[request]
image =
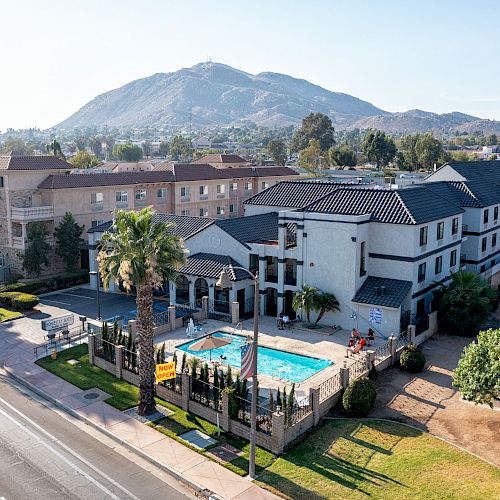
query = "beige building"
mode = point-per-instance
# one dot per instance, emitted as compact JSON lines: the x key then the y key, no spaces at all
{"x":33,"y":189}
{"x":223,"y":160}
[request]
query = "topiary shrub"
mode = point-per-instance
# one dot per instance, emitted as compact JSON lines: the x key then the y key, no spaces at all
{"x":412,"y":359}
{"x":25,"y":301}
{"x":359,"y":397}
{"x":7,"y":297}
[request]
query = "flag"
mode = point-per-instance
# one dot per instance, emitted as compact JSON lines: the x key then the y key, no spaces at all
{"x":247,"y":360}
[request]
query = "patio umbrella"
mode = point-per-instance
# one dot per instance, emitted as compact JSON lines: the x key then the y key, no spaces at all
{"x":208,"y":343}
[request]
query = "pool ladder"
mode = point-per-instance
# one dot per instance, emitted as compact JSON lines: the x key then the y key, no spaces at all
{"x":238,"y":325}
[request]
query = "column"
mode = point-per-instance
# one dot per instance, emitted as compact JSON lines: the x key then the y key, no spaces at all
{"x":224,"y":423}
{"x":118,"y":360}
{"x":411,"y":334}
{"x":392,"y":347}
{"x":314,"y":400}
{"x":300,"y":253}
{"x":262,"y":285}
{"x":204,"y":305}
{"x":171,"y":317}
{"x":185,"y":391}
{"x":278,"y":433}
{"x":235,"y":312}
{"x":91,"y":341}
{"x":171,"y":284}
{"x":192,"y":296}
{"x":344,"y":375}
{"x":281,"y":285}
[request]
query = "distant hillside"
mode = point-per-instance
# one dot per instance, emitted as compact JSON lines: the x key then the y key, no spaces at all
{"x":213,"y":94}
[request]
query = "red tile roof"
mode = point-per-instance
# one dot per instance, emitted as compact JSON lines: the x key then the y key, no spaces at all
{"x":13,"y":161}
{"x":221,"y":158}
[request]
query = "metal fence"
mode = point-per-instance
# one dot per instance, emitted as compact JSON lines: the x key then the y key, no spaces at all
{"x":402,"y":340}
{"x":421,"y":323}
{"x":130,"y":361}
{"x":242,"y":413}
{"x":246,"y":312}
{"x":174,"y":385}
{"x":220,"y":310}
{"x":330,"y":387}
{"x":105,"y":350}
{"x":299,"y":410}
{"x":382,"y":352}
{"x":357,"y":369}
{"x":161,"y":318}
{"x":206,"y":394}
{"x":62,"y":339}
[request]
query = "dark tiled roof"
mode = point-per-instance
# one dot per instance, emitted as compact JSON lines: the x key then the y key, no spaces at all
{"x":69,"y":181}
{"x":210,"y":265}
{"x":293,"y":194}
{"x":455,"y":191}
{"x":184,"y":226}
{"x":221,"y":158}
{"x":371,"y":292}
{"x":415,"y":205}
{"x":252,"y":229}
{"x":32,"y":162}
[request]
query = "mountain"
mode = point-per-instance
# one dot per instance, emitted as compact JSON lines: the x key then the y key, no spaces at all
{"x":214,"y":94}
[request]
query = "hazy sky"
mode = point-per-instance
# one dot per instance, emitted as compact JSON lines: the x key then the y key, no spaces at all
{"x":439,"y":55}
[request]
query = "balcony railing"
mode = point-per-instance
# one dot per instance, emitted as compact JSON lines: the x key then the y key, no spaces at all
{"x":20,"y":243}
{"x":290,"y":279}
{"x":203,"y":197}
{"x":122,"y":204}
{"x":32,"y":213}
{"x":97,"y":207}
{"x":272,"y":276}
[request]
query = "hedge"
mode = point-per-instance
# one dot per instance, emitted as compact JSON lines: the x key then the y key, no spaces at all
{"x":359,"y":397}
{"x":412,"y":359}
{"x":49,"y":284}
{"x":25,"y":301}
{"x":7,"y":297}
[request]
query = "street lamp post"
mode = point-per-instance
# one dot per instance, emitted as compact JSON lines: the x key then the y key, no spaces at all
{"x":224,"y":282}
{"x":98,"y":298}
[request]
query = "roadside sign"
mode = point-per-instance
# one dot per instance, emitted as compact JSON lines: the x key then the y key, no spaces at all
{"x":165,"y":371}
{"x":56,"y":323}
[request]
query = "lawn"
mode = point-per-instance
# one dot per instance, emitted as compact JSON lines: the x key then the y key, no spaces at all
{"x":378,"y":459}
{"x":125,"y":396}
{"x":6,"y":314}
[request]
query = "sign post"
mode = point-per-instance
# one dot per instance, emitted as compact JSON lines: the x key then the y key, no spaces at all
{"x":57,"y":323}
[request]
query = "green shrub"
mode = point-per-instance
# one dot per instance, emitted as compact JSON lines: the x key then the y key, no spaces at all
{"x":64,"y":280}
{"x":25,"y":301}
{"x":359,"y":397}
{"x":373,"y":374}
{"x":7,"y":297}
{"x":412,"y":359}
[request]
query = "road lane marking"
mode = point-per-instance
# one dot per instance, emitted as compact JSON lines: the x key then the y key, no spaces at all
{"x":75,"y":295}
{"x":56,"y":302}
{"x":68,"y":450}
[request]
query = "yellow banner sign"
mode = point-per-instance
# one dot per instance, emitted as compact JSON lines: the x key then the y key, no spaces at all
{"x":165,"y":371}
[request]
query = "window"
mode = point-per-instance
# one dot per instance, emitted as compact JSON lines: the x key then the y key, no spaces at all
{"x":221,"y":188}
{"x":220,"y":210}
{"x":2,"y":259}
{"x":1,"y":184}
{"x":483,"y":268}
{"x":97,"y":223}
{"x":440,"y":230}
{"x":484,"y":244}
{"x":203,"y":189}
{"x":161,"y":193}
{"x":233,"y":186}
{"x":453,"y":258}
{"x":362,"y":260}
{"x":494,"y":240}
{"x":203,"y":212}
{"x":140,"y":194}
{"x":185,"y":191}
{"x":439,"y":265}
{"x":421,"y":272}
{"x":96,"y":198}
{"x":265,"y":185}
{"x":486,"y":214}
{"x":248,"y":186}
{"x":185,"y":212}
{"x":232,"y":208}
{"x":423,"y":235}
{"x":454,"y":226}
{"x":122,"y":196}
{"x":495,"y":212}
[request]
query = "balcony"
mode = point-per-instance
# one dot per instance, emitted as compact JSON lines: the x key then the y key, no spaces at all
{"x":220,"y":196}
{"x":291,"y":279}
{"x":122,"y":204}
{"x":30,"y":214}
{"x":272,"y":276}
{"x":203,"y":197}
{"x":97,"y":207}
{"x":20,"y":243}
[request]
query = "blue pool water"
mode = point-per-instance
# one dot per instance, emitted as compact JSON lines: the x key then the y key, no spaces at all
{"x":273,"y":362}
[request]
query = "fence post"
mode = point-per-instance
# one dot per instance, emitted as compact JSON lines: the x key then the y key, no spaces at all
{"x":186,"y":389}
{"x":278,"y":433}
{"x":225,"y":412}
{"x":314,"y":400}
{"x":118,"y":360}
{"x":235,"y":312}
{"x":91,"y":338}
{"x":204,"y":306}
{"x":171,"y":317}
{"x":344,"y":375}
{"x":411,"y":333}
{"x":392,"y":348}
{"x":370,"y":359}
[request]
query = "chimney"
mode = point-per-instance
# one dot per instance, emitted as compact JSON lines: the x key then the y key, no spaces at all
{"x":382,"y":290}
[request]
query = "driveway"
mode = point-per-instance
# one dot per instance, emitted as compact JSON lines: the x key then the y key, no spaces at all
{"x":428,"y":401}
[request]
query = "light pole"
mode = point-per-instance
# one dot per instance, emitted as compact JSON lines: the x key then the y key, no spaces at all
{"x":224,"y":282}
{"x":96,"y":274}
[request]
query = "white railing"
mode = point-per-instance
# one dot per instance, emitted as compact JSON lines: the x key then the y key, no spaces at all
{"x":32,"y":213}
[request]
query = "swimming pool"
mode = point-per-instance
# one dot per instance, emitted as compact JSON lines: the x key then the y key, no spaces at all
{"x":273,"y":362}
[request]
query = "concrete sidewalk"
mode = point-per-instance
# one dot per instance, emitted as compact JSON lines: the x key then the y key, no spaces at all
{"x":17,"y":340}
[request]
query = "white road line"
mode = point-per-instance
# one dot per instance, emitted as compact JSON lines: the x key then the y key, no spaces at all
{"x":56,"y":302}
{"x":67,"y":449}
{"x":75,"y":295}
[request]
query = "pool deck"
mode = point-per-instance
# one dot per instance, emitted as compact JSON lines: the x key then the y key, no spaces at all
{"x":298,"y":340}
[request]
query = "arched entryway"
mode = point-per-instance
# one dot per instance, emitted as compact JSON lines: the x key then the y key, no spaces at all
{"x":182,"y":290}
{"x":200,"y":289}
{"x":271,"y":302}
{"x":287,"y":304}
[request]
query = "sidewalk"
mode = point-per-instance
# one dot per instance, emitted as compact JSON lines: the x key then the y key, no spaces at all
{"x":17,"y":340}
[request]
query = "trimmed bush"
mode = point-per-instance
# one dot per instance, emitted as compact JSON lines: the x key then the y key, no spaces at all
{"x":7,"y":297}
{"x":359,"y":397}
{"x":25,"y":301}
{"x":59,"y":282}
{"x":412,"y":359}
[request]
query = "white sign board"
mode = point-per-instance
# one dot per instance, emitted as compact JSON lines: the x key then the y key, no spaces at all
{"x":375,"y":315}
{"x":57,"y":323}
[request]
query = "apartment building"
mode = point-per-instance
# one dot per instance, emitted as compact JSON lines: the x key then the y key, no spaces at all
{"x":223,"y":160}
{"x":35,"y":190}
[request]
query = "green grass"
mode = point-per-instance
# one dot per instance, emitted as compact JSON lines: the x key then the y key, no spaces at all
{"x":125,"y":396}
{"x":6,"y":314}
{"x":379,"y":460}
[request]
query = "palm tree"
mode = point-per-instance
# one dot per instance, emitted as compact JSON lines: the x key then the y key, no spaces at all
{"x":327,"y":302}
{"x":306,"y":300}
{"x":138,"y":252}
{"x":54,"y":148}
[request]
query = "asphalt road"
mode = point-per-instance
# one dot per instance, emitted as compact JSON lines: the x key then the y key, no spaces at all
{"x":45,"y":453}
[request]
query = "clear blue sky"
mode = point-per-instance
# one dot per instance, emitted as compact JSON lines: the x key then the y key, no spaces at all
{"x":439,"y":55}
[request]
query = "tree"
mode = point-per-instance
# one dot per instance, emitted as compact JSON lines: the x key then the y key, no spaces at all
{"x":147,"y":148}
{"x":314,"y":126}
{"x":127,"y":152}
{"x":306,"y":300}
{"x":140,"y":253}
{"x":181,"y":148}
{"x":429,"y":151}
{"x":95,"y":144}
{"x":312,"y":158}
{"x":69,"y":241}
{"x":109,"y":141}
{"x":83,"y":159}
{"x":464,"y":304}
{"x":407,"y":147}
{"x":18,"y":146}
{"x":491,"y":140}
{"x":378,"y":147}
{"x":277,"y":150}
{"x":462,"y":156}
{"x":342,"y":155}
{"x":477,"y":373}
{"x":81,"y":142}
{"x":326,"y":302}
{"x":54,"y":149}
{"x":37,"y":250}
{"x":163,"y":148}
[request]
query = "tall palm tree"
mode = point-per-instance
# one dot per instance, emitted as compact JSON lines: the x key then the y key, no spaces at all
{"x":326,"y":302}
{"x":138,"y":252}
{"x":306,"y":300}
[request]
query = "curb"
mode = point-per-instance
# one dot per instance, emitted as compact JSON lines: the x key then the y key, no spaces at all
{"x":199,"y":490}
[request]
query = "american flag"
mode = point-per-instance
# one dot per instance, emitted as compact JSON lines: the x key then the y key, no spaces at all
{"x":247,"y":360}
